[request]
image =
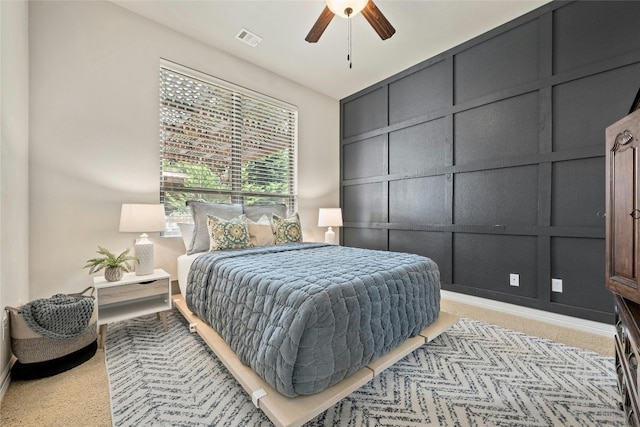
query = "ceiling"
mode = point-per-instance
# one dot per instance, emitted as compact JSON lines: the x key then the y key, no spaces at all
{"x":423,"y":30}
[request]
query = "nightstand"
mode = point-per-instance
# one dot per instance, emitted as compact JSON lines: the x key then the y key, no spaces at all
{"x":132,"y":296}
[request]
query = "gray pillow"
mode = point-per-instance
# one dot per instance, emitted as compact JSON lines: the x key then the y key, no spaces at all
{"x":254,"y":212}
{"x":200,"y":210}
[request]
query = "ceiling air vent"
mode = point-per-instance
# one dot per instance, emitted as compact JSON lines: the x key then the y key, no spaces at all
{"x":248,"y":37}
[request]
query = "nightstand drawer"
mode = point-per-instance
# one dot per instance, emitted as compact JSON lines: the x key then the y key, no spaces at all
{"x":133,"y":291}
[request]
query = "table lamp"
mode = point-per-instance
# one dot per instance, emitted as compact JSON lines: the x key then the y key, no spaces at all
{"x":330,"y":217}
{"x":142,"y":218}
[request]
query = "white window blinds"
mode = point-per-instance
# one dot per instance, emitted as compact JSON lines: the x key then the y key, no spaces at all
{"x":223,"y":144}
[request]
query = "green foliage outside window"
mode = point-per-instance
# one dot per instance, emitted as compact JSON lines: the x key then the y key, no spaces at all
{"x":267,"y":175}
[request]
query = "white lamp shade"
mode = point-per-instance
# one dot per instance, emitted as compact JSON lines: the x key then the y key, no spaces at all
{"x":142,"y":218}
{"x":330,"y":217}
{"x":338,"y":6}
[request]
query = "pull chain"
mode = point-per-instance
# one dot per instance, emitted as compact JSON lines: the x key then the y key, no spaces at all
{"x":348,"y":11}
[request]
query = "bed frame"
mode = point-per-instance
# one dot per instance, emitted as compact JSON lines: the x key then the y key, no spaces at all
{"x":289,"y":412}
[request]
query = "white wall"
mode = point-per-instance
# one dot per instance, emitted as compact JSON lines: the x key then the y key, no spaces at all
{"x":14,"y":179}
{"x":94,"y":133}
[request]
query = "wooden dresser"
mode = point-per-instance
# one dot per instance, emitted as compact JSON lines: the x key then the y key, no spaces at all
{"x":623,"y":207}
{"x":623,"y":253}
{"x":627,"y":356}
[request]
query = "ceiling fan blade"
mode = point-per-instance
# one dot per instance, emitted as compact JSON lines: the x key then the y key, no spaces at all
{"x":377,"y":20}
{"x":321,"y":24}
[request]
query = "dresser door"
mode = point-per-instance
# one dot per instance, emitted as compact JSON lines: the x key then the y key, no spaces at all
{"x":623,"y":208}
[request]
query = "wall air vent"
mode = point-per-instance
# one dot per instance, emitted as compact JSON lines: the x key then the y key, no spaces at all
{"x":248,"y":37}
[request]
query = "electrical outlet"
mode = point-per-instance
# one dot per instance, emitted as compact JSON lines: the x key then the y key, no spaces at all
{"x":514,"y":279}
{"x":556,"y":285}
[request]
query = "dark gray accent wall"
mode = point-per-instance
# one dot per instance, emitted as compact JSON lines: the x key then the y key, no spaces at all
{"x":489,"y":158}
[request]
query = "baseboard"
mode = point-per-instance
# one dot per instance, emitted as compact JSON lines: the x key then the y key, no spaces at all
{"x":597,"y":328}
{"x":6,"y":377}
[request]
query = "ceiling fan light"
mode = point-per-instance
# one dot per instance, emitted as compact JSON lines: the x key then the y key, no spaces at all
{"x":338,"y":6}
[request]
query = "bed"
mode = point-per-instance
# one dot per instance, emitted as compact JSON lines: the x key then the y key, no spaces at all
{"x":301,"y":325}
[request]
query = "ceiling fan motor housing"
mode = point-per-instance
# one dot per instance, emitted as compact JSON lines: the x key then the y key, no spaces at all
{"x":346,"y":8}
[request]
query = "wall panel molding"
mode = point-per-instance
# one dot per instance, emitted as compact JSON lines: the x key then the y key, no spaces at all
{"x":489,"y":157}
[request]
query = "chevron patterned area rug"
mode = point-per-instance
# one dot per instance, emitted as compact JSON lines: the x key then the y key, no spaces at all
{"x":474,"y":374}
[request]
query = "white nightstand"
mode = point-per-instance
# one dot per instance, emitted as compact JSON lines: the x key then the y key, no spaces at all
{"x":132,"y":296}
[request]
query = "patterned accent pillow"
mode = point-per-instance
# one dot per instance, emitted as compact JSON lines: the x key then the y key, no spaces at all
{"x":286,"y":230}
{"x":231,"y":234}
{"x":200,"y":210}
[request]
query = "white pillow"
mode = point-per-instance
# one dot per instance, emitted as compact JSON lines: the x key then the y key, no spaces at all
{"x":260,"y":232}
{"x":187,"y":233}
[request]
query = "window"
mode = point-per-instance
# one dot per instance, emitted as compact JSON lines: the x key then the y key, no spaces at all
{"x":222,"y":143}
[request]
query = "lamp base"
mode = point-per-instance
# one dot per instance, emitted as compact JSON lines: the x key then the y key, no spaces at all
{"x":330,"y":237}
{"x":144,"y":253}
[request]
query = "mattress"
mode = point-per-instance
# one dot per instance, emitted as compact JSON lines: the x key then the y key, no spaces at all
{"x":184,"y":265}
{"x":305,"y":316}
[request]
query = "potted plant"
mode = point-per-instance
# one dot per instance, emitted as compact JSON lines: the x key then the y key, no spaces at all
{"x":114,"y":266}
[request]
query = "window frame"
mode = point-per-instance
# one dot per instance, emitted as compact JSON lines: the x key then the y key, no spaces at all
{"x":234,"y":193}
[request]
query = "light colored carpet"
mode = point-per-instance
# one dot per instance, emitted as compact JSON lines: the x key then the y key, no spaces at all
{"x":80,"y":397}
{"x":572,"y":337}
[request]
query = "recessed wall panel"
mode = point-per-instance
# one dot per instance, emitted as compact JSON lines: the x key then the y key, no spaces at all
{"x":418,"y":200}
{"x":365,"y":113}
{"x":591,"y":31}
{"x":485,"y":261}
{"x":364,"y":203}
{"x":506,"y":196}
{"x":368,"y":238}
{"x":579,"y":115}
{"x":577,"y":194}
{"x":434,"y":245}
{"x":419,"y":148}
{"x":501,"y":129}
{"x":425,"y":91}
{"x":580,"y":265}
{"x":365,"y":158}
{"x":502,"y":62}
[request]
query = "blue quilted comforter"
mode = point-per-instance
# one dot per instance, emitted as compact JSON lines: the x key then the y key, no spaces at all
{"x":304,"y":316}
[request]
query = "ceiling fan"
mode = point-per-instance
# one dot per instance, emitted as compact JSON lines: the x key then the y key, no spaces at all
{"x":347,"y":9}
